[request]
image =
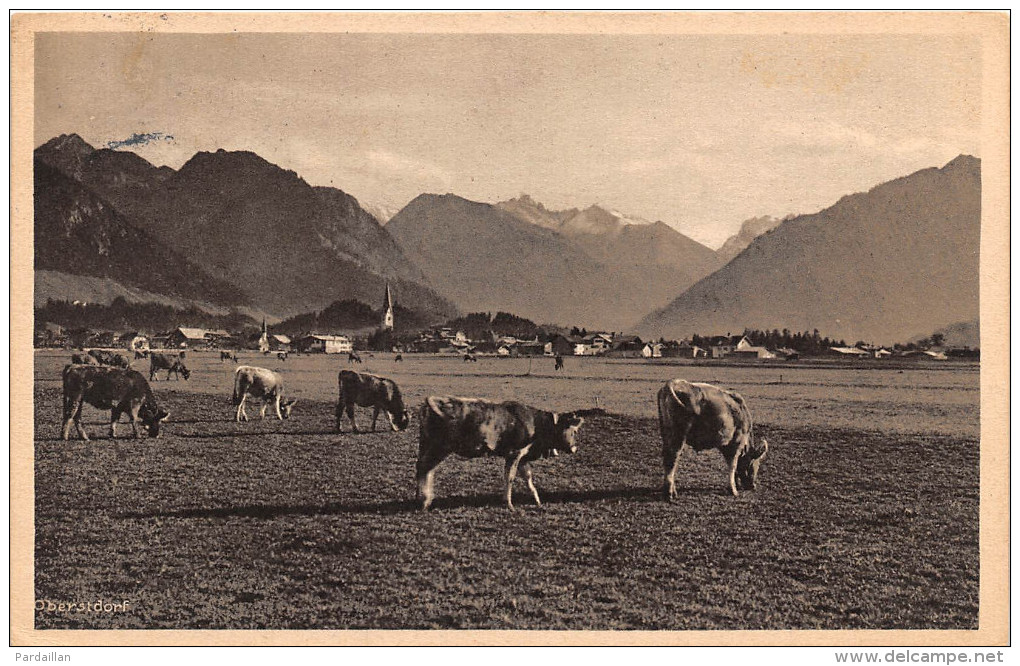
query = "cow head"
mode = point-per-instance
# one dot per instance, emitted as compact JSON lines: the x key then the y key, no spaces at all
{"x":152,"y":420}
{"x":566,"y":429}
{"x":400,"y":420}
{"x":747,"y":465}
{"x":286,"y":407}
{"x":183,"y":371}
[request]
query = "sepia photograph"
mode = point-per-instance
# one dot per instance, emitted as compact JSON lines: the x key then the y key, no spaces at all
{"x":590,"y":328}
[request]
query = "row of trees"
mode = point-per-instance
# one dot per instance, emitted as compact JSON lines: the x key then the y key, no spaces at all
{"x":809,"y":343}
{"x":121,"y":315}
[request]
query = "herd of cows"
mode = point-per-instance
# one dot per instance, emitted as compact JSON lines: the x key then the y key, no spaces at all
{"x":695,"y":415}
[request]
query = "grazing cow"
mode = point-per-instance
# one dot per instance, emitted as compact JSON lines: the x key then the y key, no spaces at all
{"x":141,"y":354}
{"x":364,"y":390}
{"x":559,"y":362}
{"x":84,"y":359}
{"x":228,"y":356}
{"x":170,"y":362}
{"x":352,"y":357}
{"x":703,"y":417}
{"x":260,"y":384}
{"x":117,"y":389}
{"x":470,"y":358}
{"x":110,"y":358}
{"x":281,"y":355}
{"x":473,"y":428}
{"x":398,"y":358}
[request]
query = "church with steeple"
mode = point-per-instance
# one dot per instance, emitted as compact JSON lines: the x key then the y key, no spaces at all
{"x":387,"y":321}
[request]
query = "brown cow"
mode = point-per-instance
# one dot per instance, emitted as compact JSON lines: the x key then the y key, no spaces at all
{"x":170,"y":362}
{"x":365,"y":390}
{"x":704,"y":417}
{"x":473,"y":428}
{"x":119,"y":390}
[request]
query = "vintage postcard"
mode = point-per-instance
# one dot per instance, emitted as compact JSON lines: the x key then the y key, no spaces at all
{"x":528,"y":328}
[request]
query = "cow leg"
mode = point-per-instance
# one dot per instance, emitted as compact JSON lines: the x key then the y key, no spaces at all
{"x":152,"y":375}
{"x":670,"y":463}
{"x":278,"y":414}
{"x":114,"y":417}
{"x":375,"y":417}
{"x":732,"y":459}
{"x":511,"y":474}
{"x":426,"y":470}
{"x":350,"y":415}
{"x":133,"y":415}
{"x":526,"y":471}
{"x":262,"y":412}
{"x":240,"y":409}
{"x":72,"y":410}
{"x":77,"y":422}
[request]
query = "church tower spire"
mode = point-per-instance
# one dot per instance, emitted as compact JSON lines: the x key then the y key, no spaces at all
{"x":387,"y":322}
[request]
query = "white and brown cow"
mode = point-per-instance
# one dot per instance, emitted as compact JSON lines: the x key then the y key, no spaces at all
{"x":473,"y":428}
{"x":260,"y":384}
{"x":120,"y":390}
{"x":704,"y":417}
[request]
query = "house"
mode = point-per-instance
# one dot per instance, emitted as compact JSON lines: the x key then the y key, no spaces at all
{"x":851,"y":352}
{"x":626,"y":346}
{"x":325,"y":344}
{"x":503,"y":350}
{"x":683,"y":349}
{"x":187,"y":338}
{"x":652,"y":350}
{"x":133,"y":341}
{"x":601,"y":342}
{"x":534,"y":348}
{"x":750,"y":352}
{"x":723,"y":345}
{"x":788,"y":354}
{"x":278,"y":342}
{"x":560,"y":345}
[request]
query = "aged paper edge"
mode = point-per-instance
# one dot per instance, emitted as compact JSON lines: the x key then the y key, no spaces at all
{"x":992,"y":28}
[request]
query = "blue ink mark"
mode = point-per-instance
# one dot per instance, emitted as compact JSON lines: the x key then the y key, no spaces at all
{"x":141,"y":139}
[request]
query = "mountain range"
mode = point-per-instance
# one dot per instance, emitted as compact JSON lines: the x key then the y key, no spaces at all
{"x":230,"y":230}
{"x":879,"y":266}
{"x":589,"y":268}
{"x":261,"y":234}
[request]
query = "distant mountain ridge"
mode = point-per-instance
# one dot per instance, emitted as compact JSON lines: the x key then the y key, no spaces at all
{"x":877,"y":266}
{"x":521,"y":257}
{"x":749,"y":230}
{"x":286,"y":247}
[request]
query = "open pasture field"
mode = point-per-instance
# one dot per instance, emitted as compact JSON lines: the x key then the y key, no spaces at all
{"x":866,"y":514}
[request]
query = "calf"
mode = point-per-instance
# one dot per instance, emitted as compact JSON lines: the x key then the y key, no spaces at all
{"x":170,"y":362}
{"x":228,"y":356}
{"x":365,"y":390}
{"x":117,"y":389}
{"x":398,"y":358}
{"x":352,"y":357}
{"x":261,"y":384}
{"x":473,"y":428}
{"x":703,"y":417}
{"x":281,"y":355}
{"x":470,"y":358}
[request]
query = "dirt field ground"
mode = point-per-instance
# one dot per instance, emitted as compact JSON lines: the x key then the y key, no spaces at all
{"x":866,"y":514}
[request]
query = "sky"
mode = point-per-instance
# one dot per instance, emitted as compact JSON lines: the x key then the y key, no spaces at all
{"x":700,"y":132}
